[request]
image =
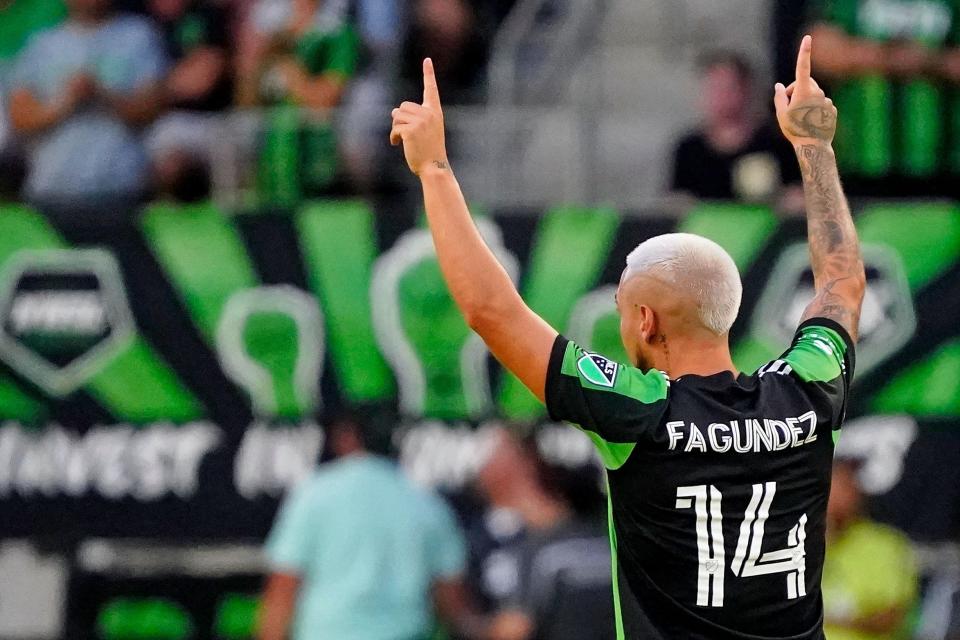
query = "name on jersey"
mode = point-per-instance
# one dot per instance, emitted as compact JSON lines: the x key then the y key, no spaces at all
{"x":751,"y":435}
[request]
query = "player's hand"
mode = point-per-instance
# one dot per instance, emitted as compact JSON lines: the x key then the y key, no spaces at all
{"x":420,"y":127}
{"x":806,"y":114}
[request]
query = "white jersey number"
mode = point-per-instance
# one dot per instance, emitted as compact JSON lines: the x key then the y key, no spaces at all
{"x":749,"y":560}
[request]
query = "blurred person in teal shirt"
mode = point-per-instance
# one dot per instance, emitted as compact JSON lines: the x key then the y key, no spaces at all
{"x":359,"y":553}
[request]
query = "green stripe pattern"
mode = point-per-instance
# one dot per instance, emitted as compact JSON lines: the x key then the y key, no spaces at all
{"x":818,"y":354}
{"x":614,"y":568}
{"x":337,"y":239}
{"x":571,"y":249}
{"x":203,"y":255}
{"x":925,"y":235}
{"x":930,"y":387}
{"x":144,"y":619}
{"x":742,"y":230}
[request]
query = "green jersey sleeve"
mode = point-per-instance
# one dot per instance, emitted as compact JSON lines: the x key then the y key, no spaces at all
{"x":616,"y":405}
{"x":822,"y":358}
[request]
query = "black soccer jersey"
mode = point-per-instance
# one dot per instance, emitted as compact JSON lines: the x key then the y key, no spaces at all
{"x":718,"y":486}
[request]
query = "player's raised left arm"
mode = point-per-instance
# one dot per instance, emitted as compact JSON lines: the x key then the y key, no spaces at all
{"x":809,"y":121}
{"x":483,"y":291}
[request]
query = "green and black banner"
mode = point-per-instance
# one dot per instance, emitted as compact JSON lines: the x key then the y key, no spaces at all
{"x":169,"y":376}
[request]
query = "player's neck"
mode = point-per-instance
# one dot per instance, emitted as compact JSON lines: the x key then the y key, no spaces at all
{"x":693,"y":357}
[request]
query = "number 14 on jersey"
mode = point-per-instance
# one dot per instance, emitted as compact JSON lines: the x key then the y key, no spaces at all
{"x":748,"y":561}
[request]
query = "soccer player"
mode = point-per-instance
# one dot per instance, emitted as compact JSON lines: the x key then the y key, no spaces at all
{"x":718,"y":481}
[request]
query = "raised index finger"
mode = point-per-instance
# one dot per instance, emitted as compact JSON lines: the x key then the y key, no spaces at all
{"x":431,"y":94}
{"x":803,"y":59}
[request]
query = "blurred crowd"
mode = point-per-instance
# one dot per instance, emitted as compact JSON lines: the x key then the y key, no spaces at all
{"x":892,"y":68}
{"x":357,"y":551}
{"x":106,"y":102}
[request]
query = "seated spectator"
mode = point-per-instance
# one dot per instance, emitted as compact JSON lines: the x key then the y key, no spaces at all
{"x":382,"y":26}
{"x":80,"y":95}
{"x":300,"y":51}
{"x":359,"y":552}
{"x":452,"y":34}
{"x":554,"y":582}
{"x":735,"y":154}
{"x":869,"y":576}
{"x":297,"y":55}
{"x":181,"y":142}
{"x":893,"y":67}
{"x":19,"y":20}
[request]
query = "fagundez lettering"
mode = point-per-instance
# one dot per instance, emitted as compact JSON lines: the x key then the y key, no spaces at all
{"x":751,"y":435}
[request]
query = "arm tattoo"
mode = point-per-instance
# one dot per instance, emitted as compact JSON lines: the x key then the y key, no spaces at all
{"x":834,"y":248}
{"x":441,"y":164}
{"x":815,"y":121}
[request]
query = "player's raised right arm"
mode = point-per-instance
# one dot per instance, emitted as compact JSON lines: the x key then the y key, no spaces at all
{"x":809,"y":121}
{"x":517,"y":337}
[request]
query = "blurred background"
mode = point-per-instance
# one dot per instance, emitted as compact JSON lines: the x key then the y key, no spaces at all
{"x":214,"y":275}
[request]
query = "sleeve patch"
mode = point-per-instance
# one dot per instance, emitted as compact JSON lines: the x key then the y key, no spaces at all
{"x":598,"y":370}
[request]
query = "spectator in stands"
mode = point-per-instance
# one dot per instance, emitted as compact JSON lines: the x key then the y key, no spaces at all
{"x":357,"y":552}
{"x":81,"y":94}
{"x":870,"y":577}
{"x":382,"y":28}
{"x":735,"y":154}
{"x":197,"y":87}
{"x":453,"y":34}
{"x":553,"y":583}
{"x":303,"y":51}
{"x":894,"y":67}
{"x":19,"y":20}
{"x":297,"y":55}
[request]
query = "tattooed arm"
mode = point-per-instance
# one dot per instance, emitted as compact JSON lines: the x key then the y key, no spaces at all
{"x":834,"y":250}
{"x":809,"y":120}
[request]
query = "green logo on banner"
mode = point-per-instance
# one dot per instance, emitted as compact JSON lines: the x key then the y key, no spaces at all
{"x":440,"y":365}
{"x":65,"y":316}
{"x":270,"y":342}
{"x":887,"y":321}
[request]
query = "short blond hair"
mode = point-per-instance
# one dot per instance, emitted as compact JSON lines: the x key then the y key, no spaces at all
{"x":697,"y":267}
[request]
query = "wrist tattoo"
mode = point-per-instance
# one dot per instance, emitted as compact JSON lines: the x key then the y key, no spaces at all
{"x":441,"y":164}
{"x":813,"y":122}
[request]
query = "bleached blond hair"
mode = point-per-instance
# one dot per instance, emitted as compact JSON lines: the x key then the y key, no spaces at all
{"x":696,"y":267}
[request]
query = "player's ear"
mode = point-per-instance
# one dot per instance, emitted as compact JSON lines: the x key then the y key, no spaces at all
{"x":649,"y":326}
